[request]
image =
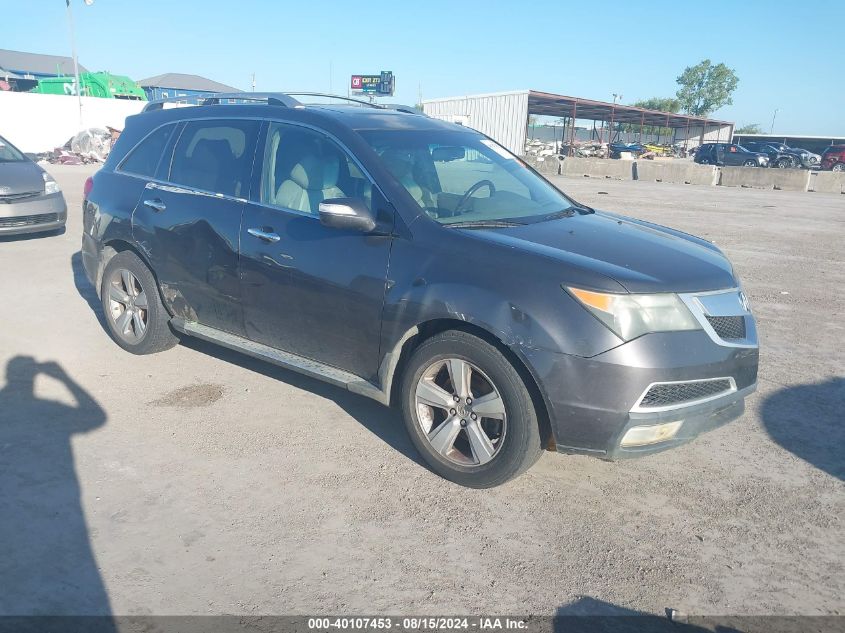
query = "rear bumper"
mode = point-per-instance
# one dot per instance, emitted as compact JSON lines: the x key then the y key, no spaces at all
{"x":33,"y":215}
{"x":593,"y":402}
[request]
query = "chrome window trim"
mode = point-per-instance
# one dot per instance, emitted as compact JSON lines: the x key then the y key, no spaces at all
{"x":682,"y":405}
{"x":698,"y":310}
{"x":176,"y":188}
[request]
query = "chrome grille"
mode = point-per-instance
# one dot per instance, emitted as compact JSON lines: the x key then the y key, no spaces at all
{"x":728,"y":327}
{"x":28,"y":220}
{"x":674,"y":393}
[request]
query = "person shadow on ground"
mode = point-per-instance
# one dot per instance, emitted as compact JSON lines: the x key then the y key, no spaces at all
{"x":47,"y":566}
{"x":807,"y":421}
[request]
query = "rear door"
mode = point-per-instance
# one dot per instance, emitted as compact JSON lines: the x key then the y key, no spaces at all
{"x":308,"y":289}
{"x":188,"y":220}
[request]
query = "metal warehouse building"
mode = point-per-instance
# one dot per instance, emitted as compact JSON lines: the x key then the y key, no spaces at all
{"x":503,"y":116}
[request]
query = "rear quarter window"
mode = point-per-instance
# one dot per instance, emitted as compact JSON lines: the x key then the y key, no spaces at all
{"x":143,"y":159}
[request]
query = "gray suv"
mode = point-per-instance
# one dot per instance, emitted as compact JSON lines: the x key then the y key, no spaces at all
{"x":421,"y":264}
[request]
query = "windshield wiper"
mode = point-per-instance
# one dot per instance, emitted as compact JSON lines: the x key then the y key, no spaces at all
{"x":483,"y":224}
{"x":567,"y":213}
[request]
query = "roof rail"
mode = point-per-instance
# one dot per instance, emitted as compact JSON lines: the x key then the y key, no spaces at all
{"x":270,"y":98}
{"x":327,"y":95}
{"x":284,"y":99}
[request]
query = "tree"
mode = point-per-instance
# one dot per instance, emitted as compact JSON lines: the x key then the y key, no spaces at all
{"x":663,"y":104}
{"x":751,"y":128}
{"x":706,"y":88}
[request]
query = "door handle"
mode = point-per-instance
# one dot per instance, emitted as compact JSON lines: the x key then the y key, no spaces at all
{"x":264,"y":235}
{"x":156,"y":205}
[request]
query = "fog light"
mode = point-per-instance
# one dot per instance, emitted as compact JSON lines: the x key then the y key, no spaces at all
{"x":642,"y":435}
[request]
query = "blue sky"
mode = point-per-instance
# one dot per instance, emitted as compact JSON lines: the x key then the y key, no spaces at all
{"x":787,"y":54}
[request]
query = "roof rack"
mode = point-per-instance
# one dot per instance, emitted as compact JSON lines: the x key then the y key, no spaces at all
{"x":284,"y":99}
{"x":270,"y":98}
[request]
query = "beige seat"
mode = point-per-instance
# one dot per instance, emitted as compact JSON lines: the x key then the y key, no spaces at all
{"x":311,"y":180}
{"x":401,"y":165}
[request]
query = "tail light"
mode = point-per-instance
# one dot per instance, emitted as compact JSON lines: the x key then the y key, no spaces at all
{"x":89,"y":185}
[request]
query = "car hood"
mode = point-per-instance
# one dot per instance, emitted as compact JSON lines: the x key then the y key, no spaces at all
{"x":20,"y":177}
{"x":641,"y":256}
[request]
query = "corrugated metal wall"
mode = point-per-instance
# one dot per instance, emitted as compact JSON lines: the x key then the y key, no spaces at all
{"x":714,"y":134}
{"x":502,"y":117}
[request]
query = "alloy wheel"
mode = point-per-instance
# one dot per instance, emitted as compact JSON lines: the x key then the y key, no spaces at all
{"x":838,"y":167}
{"x":128,"y":307}
{"x":460,"y":412}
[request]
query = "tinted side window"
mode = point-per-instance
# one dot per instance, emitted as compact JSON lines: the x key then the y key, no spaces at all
{"x":143,"y":159}
{"x":302,"y":168}
{"x":215,"y":156}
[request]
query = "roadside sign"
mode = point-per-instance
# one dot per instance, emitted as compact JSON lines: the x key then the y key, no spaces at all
{"x":383,"y":84}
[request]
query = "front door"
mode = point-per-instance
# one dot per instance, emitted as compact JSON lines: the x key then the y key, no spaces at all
{"x":307,"y":289}
{"x":188,"y":221}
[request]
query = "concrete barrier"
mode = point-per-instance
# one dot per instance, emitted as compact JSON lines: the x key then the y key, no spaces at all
{"x":598,"y":168}
{"x":549,"y":166}
{"x":765,"y":178}
{"x":685,"y":172}
{"x":828,"y":182}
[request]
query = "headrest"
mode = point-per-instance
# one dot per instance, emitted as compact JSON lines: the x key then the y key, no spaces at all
{"x":313,"y":172}
{"x":208,"y":150}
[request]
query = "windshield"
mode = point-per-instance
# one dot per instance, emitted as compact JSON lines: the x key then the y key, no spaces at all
{"x":9,"y":153}
{"x":460,"y":177}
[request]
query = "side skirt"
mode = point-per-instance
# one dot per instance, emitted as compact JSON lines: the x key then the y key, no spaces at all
{"x":299,"y":364}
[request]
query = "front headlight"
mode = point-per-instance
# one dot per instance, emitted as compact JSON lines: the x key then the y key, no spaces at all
{"x":50,"y":185}
{"x":632,"y":315}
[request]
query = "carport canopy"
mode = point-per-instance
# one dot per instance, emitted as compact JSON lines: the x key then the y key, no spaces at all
{"x":547,"y":104}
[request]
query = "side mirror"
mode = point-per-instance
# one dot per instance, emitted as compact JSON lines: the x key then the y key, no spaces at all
{"x":347,"y":213}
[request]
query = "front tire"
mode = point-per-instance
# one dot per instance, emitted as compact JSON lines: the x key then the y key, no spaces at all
{"x":838,"y":167}
{"x":784,"y":163}
{"x":135,"y":316}
{"x":750,"y":163}
{"x":468,"y":411}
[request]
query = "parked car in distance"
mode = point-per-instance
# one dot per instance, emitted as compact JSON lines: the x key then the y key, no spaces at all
{"x":800,"y":157}
{"x":833,"y":158}
{"x":30,"y":200}
{"x":421,"y":264}
{"x":729,"y":154}
{"x":777,"y":158}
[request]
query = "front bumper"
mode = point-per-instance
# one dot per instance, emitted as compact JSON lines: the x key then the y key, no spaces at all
{"x":593,"y":402}
{"x":33,"y":215}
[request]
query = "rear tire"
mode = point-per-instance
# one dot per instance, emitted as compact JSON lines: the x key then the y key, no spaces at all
{"x":135,"y":316}
{"x":784,"y":163}
{"x":479,"y":431}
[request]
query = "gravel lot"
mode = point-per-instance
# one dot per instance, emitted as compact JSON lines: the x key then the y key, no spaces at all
{"x":199,"y":481}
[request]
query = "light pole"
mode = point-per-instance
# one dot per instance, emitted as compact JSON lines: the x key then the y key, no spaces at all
{"x":774,"y":116}
{"x":75,"y":59}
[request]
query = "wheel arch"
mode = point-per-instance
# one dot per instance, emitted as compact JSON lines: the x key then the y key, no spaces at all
{"x":417,"y":335}
{"x":118,"y":245}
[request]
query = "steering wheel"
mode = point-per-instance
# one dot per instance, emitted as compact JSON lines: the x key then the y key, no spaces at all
{"x":465,"y":198}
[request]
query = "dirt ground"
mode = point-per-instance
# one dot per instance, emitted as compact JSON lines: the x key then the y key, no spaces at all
{"x":199,"y":481}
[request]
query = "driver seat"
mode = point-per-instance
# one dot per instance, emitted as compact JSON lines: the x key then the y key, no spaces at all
{"x":400,"y":165}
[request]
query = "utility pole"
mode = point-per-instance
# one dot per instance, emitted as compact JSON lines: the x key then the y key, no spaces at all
{"x":253,"y":82}
{"x":75,"y":60}
{"x":774,"y":116}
